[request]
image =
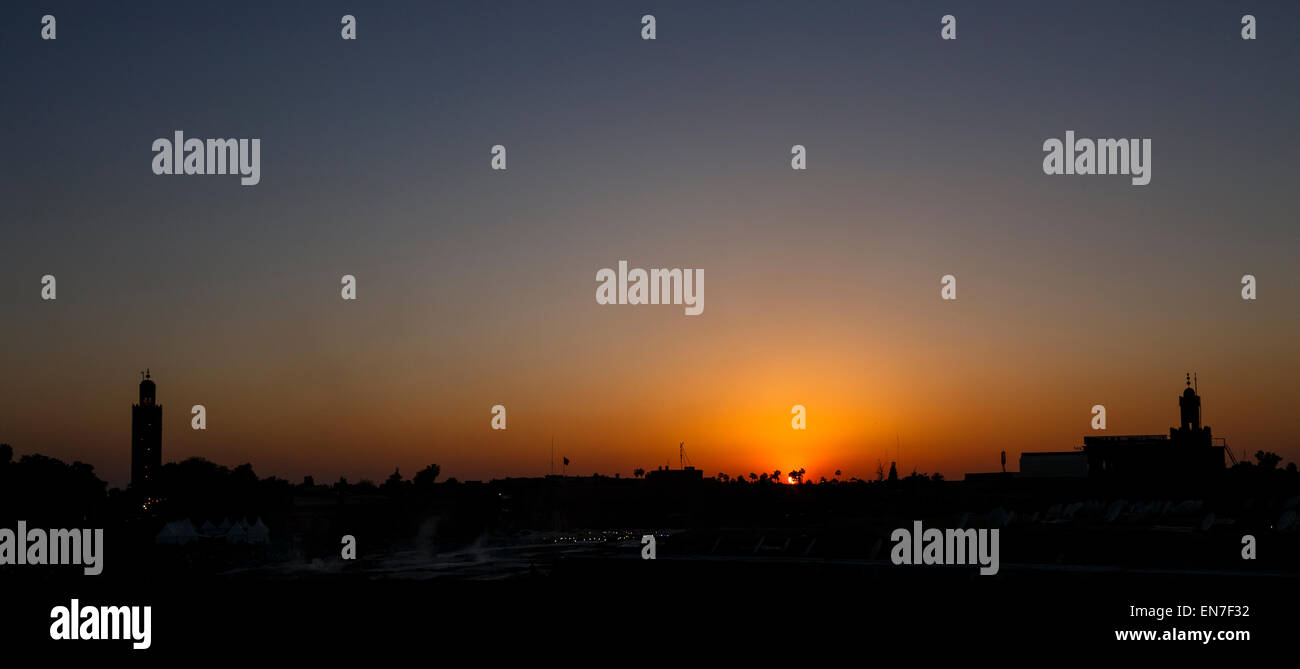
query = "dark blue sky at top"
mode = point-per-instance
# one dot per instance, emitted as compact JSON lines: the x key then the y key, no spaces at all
{"x":428,"y":82}
{"x":403,"y":117}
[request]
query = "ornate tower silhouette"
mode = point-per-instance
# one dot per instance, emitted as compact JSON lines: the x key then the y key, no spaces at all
{"x":146,"y":435}
{"x":1190,"y":432}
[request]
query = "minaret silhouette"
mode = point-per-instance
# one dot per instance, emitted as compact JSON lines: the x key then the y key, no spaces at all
{"x":146,"y":435}
{"x":1190,"y":431}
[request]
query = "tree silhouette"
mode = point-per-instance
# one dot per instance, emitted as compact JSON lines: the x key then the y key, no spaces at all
{"x":37,"y":488}
{"x":1268,"y":460}
{"x":244,"y":475}
{"x":638,"y":472}
{"x":425,"y":477}
{"x":394,"y":482}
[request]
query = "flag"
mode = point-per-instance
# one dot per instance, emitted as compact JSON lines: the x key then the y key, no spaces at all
{"x":566,"y":462}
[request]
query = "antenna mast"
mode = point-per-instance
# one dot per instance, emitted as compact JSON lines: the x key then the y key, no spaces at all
{"x":1196,"y":387}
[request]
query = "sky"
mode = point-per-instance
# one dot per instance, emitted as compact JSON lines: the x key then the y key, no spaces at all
{"x":476,"y":287}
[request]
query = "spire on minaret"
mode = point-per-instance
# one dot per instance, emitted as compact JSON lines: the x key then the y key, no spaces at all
{"x":148,"y":390}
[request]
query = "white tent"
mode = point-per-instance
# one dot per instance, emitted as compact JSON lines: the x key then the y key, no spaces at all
{"x":238,"y":533}
{"x":209,"y":529}
{"x":258,"y":533}
{"x":177,"y":532}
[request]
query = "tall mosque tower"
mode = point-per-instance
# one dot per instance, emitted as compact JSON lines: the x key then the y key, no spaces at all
{"x":146,"y":435}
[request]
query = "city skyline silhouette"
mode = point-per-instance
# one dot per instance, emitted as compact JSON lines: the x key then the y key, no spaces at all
{"x":1189,"y":448}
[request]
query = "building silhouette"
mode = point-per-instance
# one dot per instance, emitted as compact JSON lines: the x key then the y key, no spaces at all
{"x":1187,"y":453}
{"x":146,"y":435}
{"x":685,"y":475}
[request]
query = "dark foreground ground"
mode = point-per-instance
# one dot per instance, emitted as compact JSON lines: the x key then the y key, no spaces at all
{"x":726,"y":610}
{"x":745,"y":572}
